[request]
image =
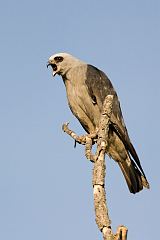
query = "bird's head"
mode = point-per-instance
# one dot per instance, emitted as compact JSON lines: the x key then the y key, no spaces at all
{"x":61,"y":63}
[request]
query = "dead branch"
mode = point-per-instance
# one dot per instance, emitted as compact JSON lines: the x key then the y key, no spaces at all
{"x":101,"y":210}
{"x":100,"y":137}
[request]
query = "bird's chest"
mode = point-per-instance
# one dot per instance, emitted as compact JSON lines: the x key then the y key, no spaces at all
{"x":76,"y":96}
{"x":82,"y":106}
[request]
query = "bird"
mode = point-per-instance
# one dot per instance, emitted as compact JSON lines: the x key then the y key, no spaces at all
{"x":86,"y":89}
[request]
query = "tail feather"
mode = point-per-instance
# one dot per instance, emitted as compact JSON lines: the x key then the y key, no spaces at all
{"x":134,"y":178}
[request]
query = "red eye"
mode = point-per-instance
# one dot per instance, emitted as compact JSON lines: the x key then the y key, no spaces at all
{"x":58,"y":59}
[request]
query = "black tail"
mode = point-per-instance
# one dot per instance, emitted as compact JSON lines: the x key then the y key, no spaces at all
{"x":134,"y":178}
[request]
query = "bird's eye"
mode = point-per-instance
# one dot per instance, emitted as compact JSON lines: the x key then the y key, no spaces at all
{"x":58,"y":59}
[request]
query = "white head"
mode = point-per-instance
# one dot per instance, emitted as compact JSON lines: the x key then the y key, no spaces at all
{"x":61,"y":63}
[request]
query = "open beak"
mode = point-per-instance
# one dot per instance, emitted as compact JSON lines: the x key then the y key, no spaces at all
{"x":54,"y":68}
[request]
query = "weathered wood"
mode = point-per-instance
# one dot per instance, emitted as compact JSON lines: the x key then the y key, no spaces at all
{"x":101,"y":211}
{"x":99,"y":170}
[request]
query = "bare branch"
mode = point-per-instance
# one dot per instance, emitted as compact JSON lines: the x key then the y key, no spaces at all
{"x":99,"y":170}
{"x":88,"y":140}
{"x":101,"y":210}
{"x":79,"y":139}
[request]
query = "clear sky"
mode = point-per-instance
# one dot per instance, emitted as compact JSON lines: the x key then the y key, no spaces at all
{"x":45,"y":184}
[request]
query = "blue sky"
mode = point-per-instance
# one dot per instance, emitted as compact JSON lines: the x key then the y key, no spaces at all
{"x":45,"y":184}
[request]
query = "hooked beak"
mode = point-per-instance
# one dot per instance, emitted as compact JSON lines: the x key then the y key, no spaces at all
{"x":48,"y":64}
{"x":54,"y":68}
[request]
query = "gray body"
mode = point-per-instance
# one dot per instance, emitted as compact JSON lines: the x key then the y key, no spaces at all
{"x":86,"y":88}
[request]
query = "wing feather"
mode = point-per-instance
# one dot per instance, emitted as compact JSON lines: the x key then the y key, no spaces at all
{"x":99,"y":86}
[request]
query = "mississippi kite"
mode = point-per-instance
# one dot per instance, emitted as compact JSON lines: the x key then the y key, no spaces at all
{"x":86,"y":89}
